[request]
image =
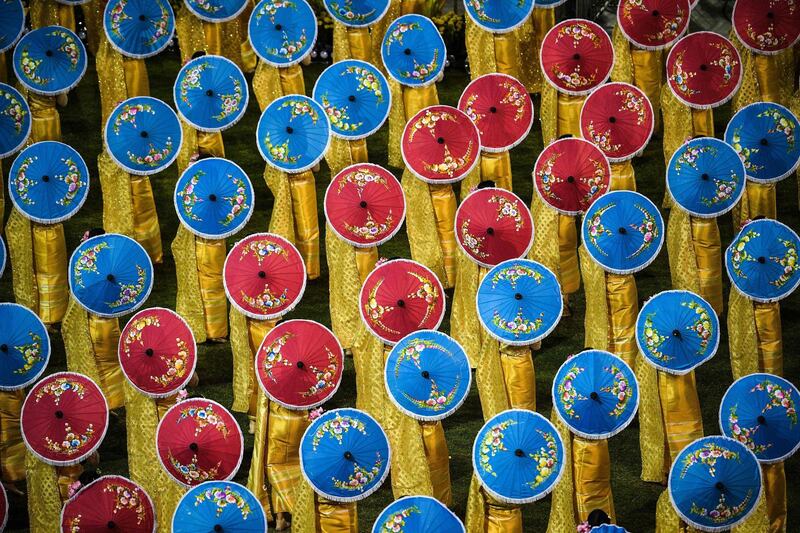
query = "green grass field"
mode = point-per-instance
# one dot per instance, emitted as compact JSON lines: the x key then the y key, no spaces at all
{"x":635,"y":500}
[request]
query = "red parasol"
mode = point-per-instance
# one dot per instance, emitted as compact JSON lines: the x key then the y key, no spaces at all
{"x":501,"y":108}
{"x":299,"y":364}
{"x":653,"y":24}
{"x":264,"y":276}
{"x":199,"y":440}
{"x":618,"y":118}
{"x":704,"y":70}
{"x":767,"y":26}
{"x":576,"y":56}
{"x":570,"y":174}
{"x":440,"y":144}
{"x":157,"y":352}
{"x":493,"y":225}
{"x":365,"y":205}
{"x":399,"y":297}
{"x":64,"y":418}
{"x":109,"y":503}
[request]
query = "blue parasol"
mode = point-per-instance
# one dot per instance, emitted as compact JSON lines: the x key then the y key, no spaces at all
{"x":519,"y":302}
{"x":293,"y":133}
{"x":110,"y":275}
{"x":518,"y":456}
{"x":623,"y":232}
{"x":282,"y":33}
{"x":595,"y":393}
{"x":216,"y":506}
{"x":706,"y":177}
{"x":427,"y":375}
{"x":24,"y":347}
{"x":15,"y":120}
{"x":2,"y":256}
{"x":356,"y":98}
{"x":413,"y":51}
{"x":143,"y":135}
{"x":677,"y":331}
{"x":715,"y":483}
{"x":357,"y":13}
{"x":344,"y":455}
{"x":12,"y":23}
{"x":216,"y":10}
{"x":49,"y":60}
{"x":760,"y":411}
{"x":499,"y":16}
{"x":139,"y":28}
{"x":417,"y":514}
{"x":211,"y":93}
{"x":214,"y":198}
{"x":762,"y":261}
{"x":607,"y":528}
{"x":765,"y":136}
{"x":548,"y":4}
{"x":48,"y":182}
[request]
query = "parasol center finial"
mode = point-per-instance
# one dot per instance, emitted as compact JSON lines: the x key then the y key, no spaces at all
{"x":45,"y":178}
{"x":49,"y":53}
{"x":59,"y":414}
{"x":676,"y":333}
{"x":209,"y":93}
{"x":576,"y":57}
{"x":401,"y":303}
{"x":490,"y":231}
{"x":149,"y":352}
{"x":426,"y":374}
{"x":519,"y":453}
{"x":570,"y":179}
{"x":762,"y":259}
{"x":301,"y":365}
{"x":348,"y":456}
{"x":703,"y":67}
{"x":764,"y":142}
{"x":142,"y":18}
{"x":407,"y":51}
{"x":518,"y":296}
{"x":144,"y":135}
{"x":212,"y":197}
{"x":193,"y":446}
{"x":278,"y":27}
{"x":111,"y":278}
{"x":440,"y":140}
{"x":111,"y":524}
{"x":3,"y":347}
{"x":761,"y":420}
{"x":770,"y":15}
{"x":656,"y":13}
{"x":720,"y":486}
{"x":705,"y":177}
{"x":351,"y":98}
{"x":262,"y":274}
{"x":594,"y":396}
{"x":612,"y":119}
{"x":363,"y":204}
{"x":493,"y":109}
{"x":217,"y":528}
{"x":289,"y":129}
{"x":622,"y":231}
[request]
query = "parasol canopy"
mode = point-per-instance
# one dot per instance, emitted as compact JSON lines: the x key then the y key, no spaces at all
{"x":417,"y":514}
{"x":299,"y":364}
{"x":24,"y":347}
{"x":50,"y":60}
{"x":715,"y":483}
{"x":357,"y":13}
{"x":15,"y":120}
{"x":214,"y":198}
{"x":501,"y":108}
{"x":356,"y":97}
{"x":216,"y":506}
{"x":570,"y":174}
{"x":427,"y":375}
{"x":595,"y":393}
{"x":48,"y":182}
{"x":608,"y":528}
{"x":293,"y":133}
{"x":413,"y":51}
{"x":764,"y":135}
{"x":400,"y":297}
{"x":211,"y":93}
{"x":440,"y":144}
{"x":548,"y":4}
{"x":109,"y":502}
{"x":760,"y":411}
{"x":282,"y":33}
{"x":677,"y":331}
{"x":766,"y":27}
{"x":345,"y":455}
{"x":519,"y":302}
{"x":157,"y":352}
{"x":518,"y":456}
{"x":365,"y":205}
{"x":704,"y":70}
{"x":762,"y":261}
{"x":139,"y":28}
{"x":706,"y":177}
{"x":2,"y":256}
{"x":3,"y":507}
{"x":618,"y":118}
{"x":493,"y":225}
{"x":12,"y":25}
{"x":653,"y":24}
{"x":110,"y":275}
{"x":199,"y":440}
{"x":143,"y":135}
{"x":216,"y":10}
{"x":264,"y":276}
{"x":623,"y":232}
{"x":64,"y":418}
{"x":499,"y":16}
{"x":576,"y":56}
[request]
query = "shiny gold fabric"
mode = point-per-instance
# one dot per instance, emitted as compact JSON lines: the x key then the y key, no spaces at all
{"x":44,"y":498}
{"x":562,"y":508}
{"x":759,"y":200}
{"x":305,"y":516}
{"x":530,"y":36}
{"x":285,"y":429}
{"x":438,"y":456}
{"x":480,"y":45}
{"x":519,"y":376}
{"x":189,"y":148}
{"x":569,"y":114}
{"x":282,"y":217}
{"x":365,"y":261}
{"x":489,"y":379}
{"x":45,"y":120}
{"x":145,"y":219}
{"x":257,"y":475}
{"x":546,"y":245}
{"x":680,"y":407}
{"x":378,"y":31}
{"x":249,"y":57}
{"x":548,"y":113}
{"x":651,"y":424}
{"x":426,"y":246}
{"x":764,"y":77}
{"x":44,"y":13}
{"x":742,"y":335}
{"x":19,"y":240}
{"x":678,"y":123}
{"x":591,"y":468}
{"x":681,"y":252}
{"x":246,"y":335}
{"x":708,"y":251}
{"x":209,"y":143}
{"x":622,"y":70}
{"x":117,"y":197}
{"x":344,"y":287}
{"x":50,"y":267}
{"x":104,"y":333}
{"x":569,"y":273}
{"x":266,"y":84}
{"x":415,"y":99}
{"x":111,"y":77}
{"x":703,"y":122}
{"x":136,"y":79}
{"x":189,"y":30}
{"x":770,"y":339}
{"x":506,"y":53}
{"x":78,"y":342}
{"x":93,"y":21}
{"x":444,"y":209}
{"x":306,"y":225}
{"x":496,"y":167}
{"x":335,"y":517}
{"x":623,"y":308}
{"x":397,"y":122}
{"x":623,"y":177}
{"x":188,"y":300}
{"x":465,"y":327}
{"x":224,"y":39}
{"x":647,"y":73}
{"x":774,"y":477}
{"x":485,"y":514}
{"x":12,"y":447}
{"x":597,"y":323}
{"x":210,"y":259}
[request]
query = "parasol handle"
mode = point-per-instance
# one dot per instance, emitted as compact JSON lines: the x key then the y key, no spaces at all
{"x":426,"y":374}
{"x":111,"y":524}
{"x":4,"y":348}
{"x":217,"y":528}
{"x":720,"y":486}
{"x":676,"y":333}
{"x":490,"y":231}
{"x":149,"y":352}
{"x":348,"y":456}
{"x":111,"y":278}
{"x":519,"y":453}
{"x":594,"y":396}
{"x":518,"y":296}
{"x":761,"y":420}
{"x":401,"y":303}
{"x":59,"y":414}
{"x":193,"y":446}
{"x":363,"y":204}
{"x":300,"y":365}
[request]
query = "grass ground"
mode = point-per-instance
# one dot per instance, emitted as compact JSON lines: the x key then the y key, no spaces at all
{"x":635,"y":500}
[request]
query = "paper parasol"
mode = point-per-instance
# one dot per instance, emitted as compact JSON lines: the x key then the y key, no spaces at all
{"x":653,"y":24}
{"x":24,"y":347}
{"x":50,"y":60}
{"x":216,"y":506}
{"x":109,"y":502}
{"x":2,"y":256}
{"x":576,"y":56}
{"x":211,"y":93}
{"x":139,"y":28}
{"x":766,"y":27}
{"x":15,"y":120}
{"x":3,"y":508}
{"x":417,"y":514}
{"x":216,"y":10}
{"x":12,"y":24}
{"x":357,"y":13}
{"x":499,"y":16}
{"x":413,"y":51}
{"x":282,"y":33}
